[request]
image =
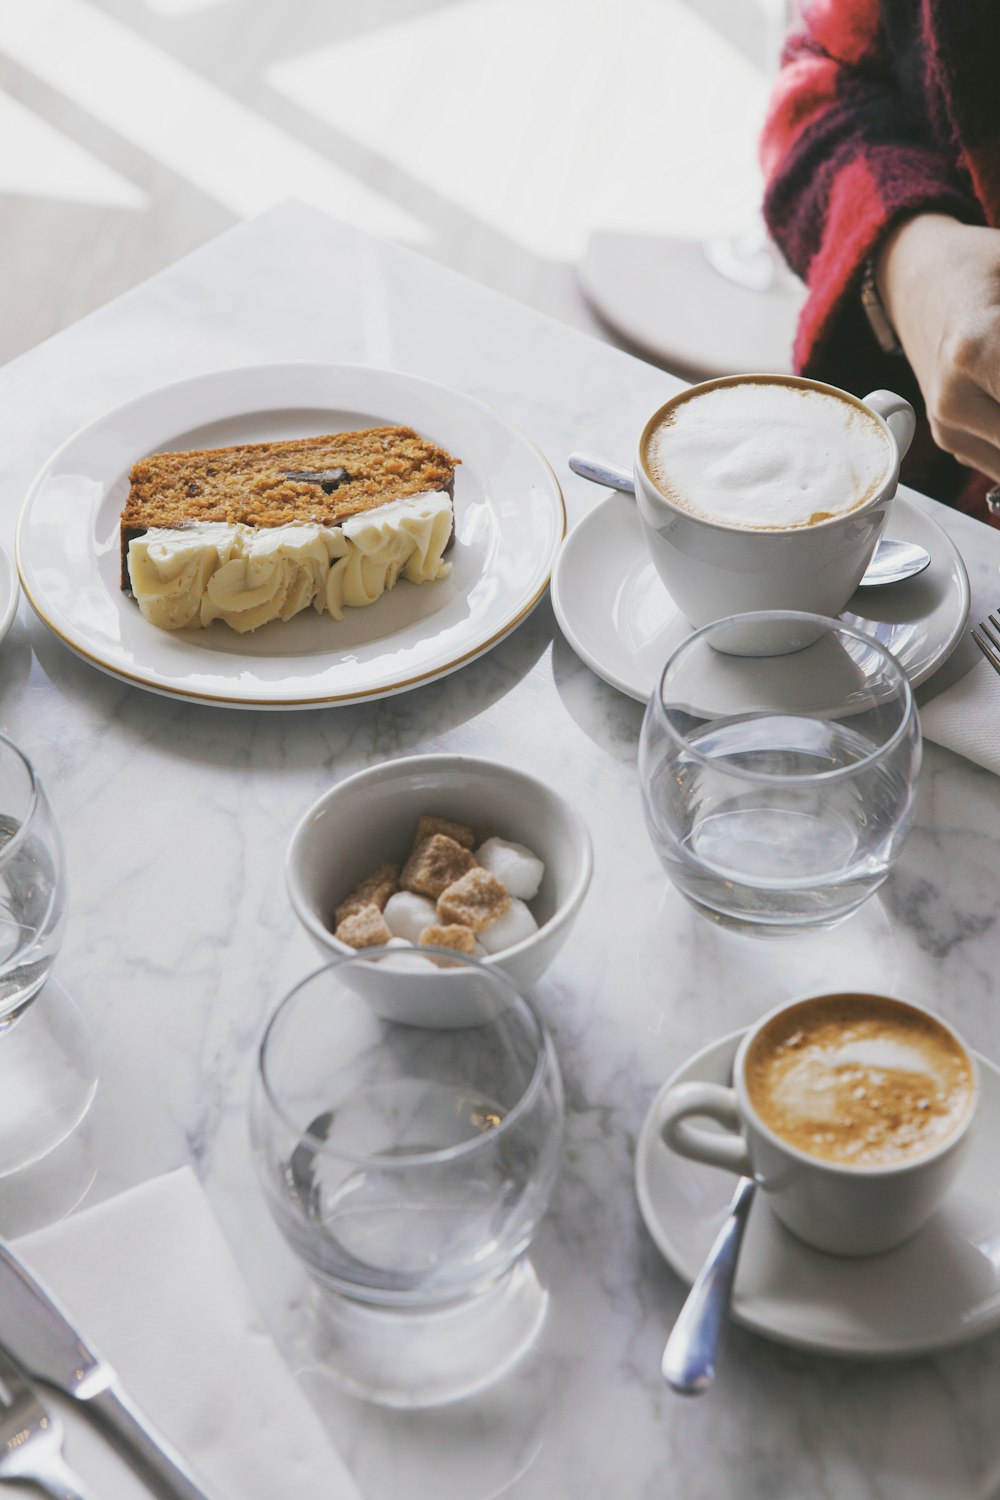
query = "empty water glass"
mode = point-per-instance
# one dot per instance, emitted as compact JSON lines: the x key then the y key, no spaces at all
{"x":32,"y":887}
{"x":408,"y":1158}
{"x":48,"y":1076}
{"x":778,"y":789}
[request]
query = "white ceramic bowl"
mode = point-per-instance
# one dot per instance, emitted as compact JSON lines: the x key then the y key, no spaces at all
{"x":368,"y":819}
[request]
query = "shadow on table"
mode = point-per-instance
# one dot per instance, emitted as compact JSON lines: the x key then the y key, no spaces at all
{"x":479,"y":1448}
{"x":305,"y":738}
{"x":610,"y":718}
{"x":15,"y":665}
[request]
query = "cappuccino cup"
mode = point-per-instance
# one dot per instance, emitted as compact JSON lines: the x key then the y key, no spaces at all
{"x":763,"y":492}
{"x":851,"y":1112}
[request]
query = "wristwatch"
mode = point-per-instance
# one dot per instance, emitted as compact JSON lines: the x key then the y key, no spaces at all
{"x":875,"y":312}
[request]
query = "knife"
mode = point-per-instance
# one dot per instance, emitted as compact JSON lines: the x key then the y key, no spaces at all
{"x":36,"y":1331}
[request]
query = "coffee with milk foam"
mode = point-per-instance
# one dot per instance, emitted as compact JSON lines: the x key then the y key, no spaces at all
{"x":767,"y":455}
{"x":860,"y":1080}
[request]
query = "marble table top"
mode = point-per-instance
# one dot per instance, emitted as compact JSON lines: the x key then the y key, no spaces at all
{"x":181,"y":938}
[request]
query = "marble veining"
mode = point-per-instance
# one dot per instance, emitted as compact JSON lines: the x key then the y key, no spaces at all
{"x":181,"y":938}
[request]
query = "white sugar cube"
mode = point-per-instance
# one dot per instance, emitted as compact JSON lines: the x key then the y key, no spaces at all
{"x":514,"y":926}
{"x":410,"y":962}
{"x":406,"y":915}
{"x":519,"y":869}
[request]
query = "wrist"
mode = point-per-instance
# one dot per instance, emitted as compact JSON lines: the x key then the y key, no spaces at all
{"x":901,"y":254}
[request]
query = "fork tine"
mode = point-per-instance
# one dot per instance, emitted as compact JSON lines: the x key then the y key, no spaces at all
{"x":987,"y":637}
{"x":990,"y":628}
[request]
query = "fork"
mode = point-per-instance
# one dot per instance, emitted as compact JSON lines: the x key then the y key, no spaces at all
{"x":31,"y":1438}
{"x":987,"y":637}
{"x":987,"y":634}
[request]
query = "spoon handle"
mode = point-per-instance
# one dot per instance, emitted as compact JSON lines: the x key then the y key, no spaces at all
{"x":602,"y":471}
{"x":696,"y":1338}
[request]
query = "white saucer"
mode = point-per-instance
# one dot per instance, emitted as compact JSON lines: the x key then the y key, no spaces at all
{"x":619,"y":618}
{"x":10,"y":591}
{"x":940,"y":1289}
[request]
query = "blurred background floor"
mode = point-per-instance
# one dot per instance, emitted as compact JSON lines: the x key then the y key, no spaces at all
{"x":508,"y":139}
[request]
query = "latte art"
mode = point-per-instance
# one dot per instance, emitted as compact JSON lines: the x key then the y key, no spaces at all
{"x":859,"y":1080}
{"x":767,"y":455}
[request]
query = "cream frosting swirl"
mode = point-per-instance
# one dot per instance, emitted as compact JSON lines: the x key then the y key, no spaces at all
{"x":248,"y":576}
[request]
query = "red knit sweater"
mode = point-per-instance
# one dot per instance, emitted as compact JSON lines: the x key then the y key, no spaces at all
{"x":882,"y":108}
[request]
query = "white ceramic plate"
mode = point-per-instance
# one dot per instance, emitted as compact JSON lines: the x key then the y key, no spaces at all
{"x":939,"y":1289}
{"x":509,"y":520}
{"x":10,"y":591}
{"x":617,"y":615}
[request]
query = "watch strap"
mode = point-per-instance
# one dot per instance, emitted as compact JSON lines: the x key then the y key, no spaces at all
{"x":878,"y":318}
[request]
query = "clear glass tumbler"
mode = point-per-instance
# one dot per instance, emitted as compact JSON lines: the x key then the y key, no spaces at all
{"x":32,"y":884}
{"x":48,"y":1076}
{"x":778,"y":789}
{"x":409,"y":1165}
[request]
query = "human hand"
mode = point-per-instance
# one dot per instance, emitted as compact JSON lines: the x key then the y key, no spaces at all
{"x":939,"y":281}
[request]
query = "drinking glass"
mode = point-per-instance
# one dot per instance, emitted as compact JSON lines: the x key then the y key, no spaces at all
{"x":778,"y":789}
{"x":47,"y":1073}
{"x":409,"y":1165}
{"x":32,"y":890}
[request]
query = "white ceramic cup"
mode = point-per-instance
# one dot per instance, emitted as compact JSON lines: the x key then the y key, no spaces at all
{"x":712,"y":570}
{"x":845,"y":1210}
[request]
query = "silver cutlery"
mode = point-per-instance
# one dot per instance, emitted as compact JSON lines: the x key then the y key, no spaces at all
{"x":891,"y":563}
{"x":31,"y":1438}
{"x":602,"y":471}
{"x":40,"y":1336}
{"x":692,"y":1352}
{"x":987,"y":637}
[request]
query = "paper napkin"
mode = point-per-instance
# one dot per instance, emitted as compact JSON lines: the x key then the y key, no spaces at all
{"x":965,"y":717}
{"x":149,"y":1278}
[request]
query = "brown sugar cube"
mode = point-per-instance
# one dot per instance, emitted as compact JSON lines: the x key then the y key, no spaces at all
{"x":428,"y":826}
{"x":462,"y":939}
{"x":364,"y":929}
{"x":374,"y":890}
{"x":477,"y":900}
{"x":434,"y":865}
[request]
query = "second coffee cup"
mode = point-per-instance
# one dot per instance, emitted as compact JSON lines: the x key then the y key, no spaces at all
{"x":767,"y":492}
{"x":852,"y":1112}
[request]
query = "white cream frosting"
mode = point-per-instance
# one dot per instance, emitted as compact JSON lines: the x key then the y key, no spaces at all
{"x":248,"y":576}
{"x":768,"y":456}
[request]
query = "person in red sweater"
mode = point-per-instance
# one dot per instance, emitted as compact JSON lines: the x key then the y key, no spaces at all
{"x":881,"y":155}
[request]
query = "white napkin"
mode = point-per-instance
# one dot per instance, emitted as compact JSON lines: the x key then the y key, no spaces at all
{"x":965,"y":717}
{"x":149,"y":1278}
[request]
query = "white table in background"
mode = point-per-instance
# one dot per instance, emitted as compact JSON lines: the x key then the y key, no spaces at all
{"x":181,"y":938}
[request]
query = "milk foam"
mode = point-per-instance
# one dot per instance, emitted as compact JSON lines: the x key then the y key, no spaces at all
{"x":766,"y":456}
{"x":810,"y":1089}
{"x":860,"y":1080}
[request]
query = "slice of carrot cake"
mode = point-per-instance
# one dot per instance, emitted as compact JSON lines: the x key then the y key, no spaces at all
{"x":261,"y":531}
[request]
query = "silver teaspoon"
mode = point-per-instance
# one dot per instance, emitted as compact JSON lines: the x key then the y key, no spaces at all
{"x":696,"y":1339}
{"x":891,"y":563}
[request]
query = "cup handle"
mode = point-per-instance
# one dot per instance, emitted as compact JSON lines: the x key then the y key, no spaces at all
{"x":897,"y":414}
{"x":713,"y":1101}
